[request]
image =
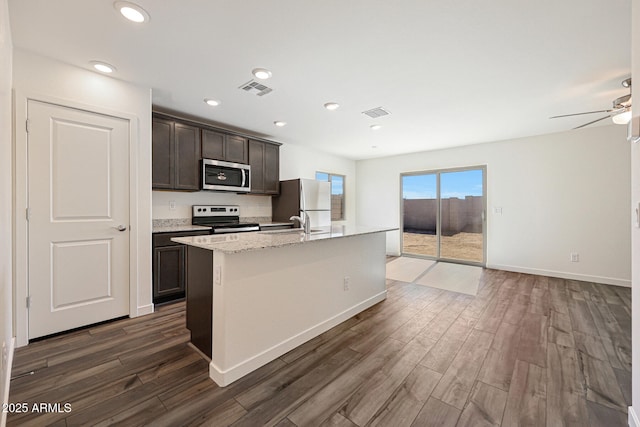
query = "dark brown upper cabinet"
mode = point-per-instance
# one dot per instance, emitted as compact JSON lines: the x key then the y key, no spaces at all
{"x":179,"y":144}
{"x":212,"y":145}
{"x":271,"y":169}
{"x":176,"y":155}
{"x":220,"y":146}
{"x":162,"y":152}
{"x":237,"y":149}
{"x":265,"y":167}
{"x":187,"y":157}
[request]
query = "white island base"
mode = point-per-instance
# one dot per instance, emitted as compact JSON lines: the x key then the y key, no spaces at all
{"x":265,"y":302}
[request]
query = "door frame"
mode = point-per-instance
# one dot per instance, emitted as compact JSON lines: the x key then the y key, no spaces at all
{"x":21,"y":189}
{"x":437,"y":172}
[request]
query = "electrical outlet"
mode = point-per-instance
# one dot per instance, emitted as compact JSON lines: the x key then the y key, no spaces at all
{"x":217,"y":275}
{"x":346,"y":283}
{"x":574,"y":257}
{"x":172,"y":205}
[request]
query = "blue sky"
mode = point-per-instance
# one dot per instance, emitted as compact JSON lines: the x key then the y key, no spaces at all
{"x":454,"y":184}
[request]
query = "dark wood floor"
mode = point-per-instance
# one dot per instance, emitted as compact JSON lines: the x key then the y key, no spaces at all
{"x":527,"y":350}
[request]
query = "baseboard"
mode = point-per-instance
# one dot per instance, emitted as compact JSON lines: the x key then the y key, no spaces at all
{"x":145,"y":309}
{"x":633,"y":418}
{"x":7,"y":380}
{"x":564,"y":275}
{"x":224,"y":378}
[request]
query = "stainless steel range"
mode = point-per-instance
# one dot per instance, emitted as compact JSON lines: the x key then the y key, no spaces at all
{"x":221,"y":219}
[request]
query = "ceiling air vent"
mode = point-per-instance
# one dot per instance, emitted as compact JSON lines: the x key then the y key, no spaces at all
{"x":374,"y":113}
{"x":253,"y":86}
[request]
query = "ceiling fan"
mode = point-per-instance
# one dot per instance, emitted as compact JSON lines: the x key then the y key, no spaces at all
{"x":620,"y":113}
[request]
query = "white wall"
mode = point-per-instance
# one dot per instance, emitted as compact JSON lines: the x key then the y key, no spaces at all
{"x":303,"y":162}
{"x":295,"y":162}
{"x":634,"y":411}
{"x":6,"y":195}
{"x":560,"y":193}
{"x":42,"y":78}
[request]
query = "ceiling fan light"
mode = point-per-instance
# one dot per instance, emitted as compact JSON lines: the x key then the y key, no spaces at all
{"x":622,"y":118}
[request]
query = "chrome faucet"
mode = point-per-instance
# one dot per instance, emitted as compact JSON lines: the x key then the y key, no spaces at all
{"x":304,"y":223}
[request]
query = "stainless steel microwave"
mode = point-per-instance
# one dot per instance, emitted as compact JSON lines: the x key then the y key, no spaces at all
{"x":226,"y":176}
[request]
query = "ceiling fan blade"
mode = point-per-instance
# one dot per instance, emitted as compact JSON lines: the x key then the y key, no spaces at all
{"x":580,"y":114}
{"x":587,"y":124}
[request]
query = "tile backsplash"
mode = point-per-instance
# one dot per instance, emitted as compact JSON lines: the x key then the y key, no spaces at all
{"x":177,"y":205}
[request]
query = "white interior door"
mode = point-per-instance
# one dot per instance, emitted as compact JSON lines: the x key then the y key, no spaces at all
{"x":78,"y":174}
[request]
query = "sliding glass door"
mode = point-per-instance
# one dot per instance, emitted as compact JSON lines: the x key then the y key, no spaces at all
{"x":420,"y":215}
{"x":443,"y":214}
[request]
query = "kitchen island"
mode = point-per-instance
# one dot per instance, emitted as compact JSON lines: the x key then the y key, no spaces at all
{"x":254,"y":296}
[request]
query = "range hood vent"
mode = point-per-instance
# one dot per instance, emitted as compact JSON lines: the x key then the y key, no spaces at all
{"x":258,"y":88}
{"x":374,"y":113}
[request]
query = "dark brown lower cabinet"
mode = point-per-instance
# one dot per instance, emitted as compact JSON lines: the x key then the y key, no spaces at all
{"x":169,"y":266}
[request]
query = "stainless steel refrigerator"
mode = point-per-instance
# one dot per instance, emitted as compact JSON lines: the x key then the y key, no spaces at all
{"x":303,"y":195}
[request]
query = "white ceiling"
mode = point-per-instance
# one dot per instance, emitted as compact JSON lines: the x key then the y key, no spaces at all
{"x":451,"y":73}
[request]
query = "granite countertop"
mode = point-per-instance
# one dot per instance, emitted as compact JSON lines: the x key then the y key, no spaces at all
{"x":243,"y":242}
{"x":178,"y":228}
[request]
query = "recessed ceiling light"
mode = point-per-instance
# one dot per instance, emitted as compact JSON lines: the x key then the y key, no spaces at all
{"x":331,"y":106}
{"x":279,"y":123}
{"x":211,"y":102}
{"x":103,"y":67}
{"x":375,"y":127}
{"x":131,"y":11}
{"x":261,"y":73}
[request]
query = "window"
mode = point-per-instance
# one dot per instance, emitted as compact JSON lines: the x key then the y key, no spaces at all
{"x":337,"y":193}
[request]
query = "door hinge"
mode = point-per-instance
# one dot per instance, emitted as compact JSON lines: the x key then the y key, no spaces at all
{"x":27,"y":213}
{"x":29,"y":301}
{"x":27,"y":125}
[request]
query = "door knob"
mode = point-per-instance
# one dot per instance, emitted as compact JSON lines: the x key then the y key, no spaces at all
{"x":121,"y":227}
